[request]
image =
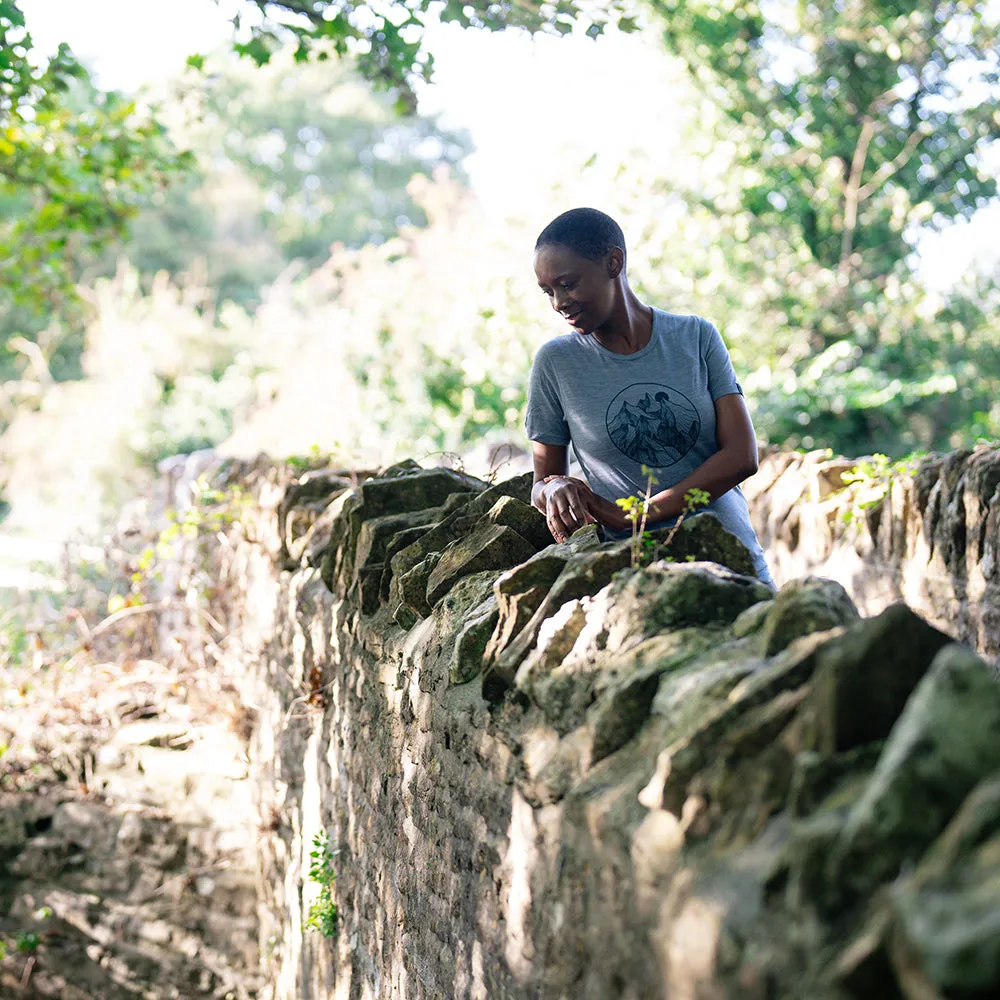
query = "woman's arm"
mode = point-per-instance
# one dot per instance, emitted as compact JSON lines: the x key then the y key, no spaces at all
{"x":735,"y":460}
{"x":562,"y":499}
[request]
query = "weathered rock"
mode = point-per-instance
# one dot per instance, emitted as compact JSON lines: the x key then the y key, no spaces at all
{"x":470,"y":598}
{"x":368,"y":579}
{"x":336,"y":524}
{"x":749,"y":621}
{"x":402,"y":489}
{"x":556,"y":691}
{"x":701,"y":672}
{"x":301,"y":504}
{"x":577,"y":646}
{"x":519,"y":593}
{"x":412,"y":586}
{"x":527,"y":521}
{"x":946,"y":912}
{"x":455,"y":526}
{"x":675,"y":595}
{"x":618,"y":716}
{"x":468,"y":658}
{"x":932,"y":539}
{"x":708,"y":737}
{"x":401,"y":540}
{"x":408,"y":535}
{"x":864,"y":678}
{"x":314,"y":545}
{"x":655,"y":806}
{"x":943,"y":744}
{"x":810,"y":604}
{"x":492,"y":546}
{"x":584,"y":574}
{"x":377,"y":532}
{"x":819,"y":776}
{"x":702,"y":538}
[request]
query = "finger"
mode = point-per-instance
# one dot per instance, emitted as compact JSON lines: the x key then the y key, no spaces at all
{"x":563,"y":529}
{"x":555,"y":526}
{"x":577,"y":509}
{"x":565,"y":513}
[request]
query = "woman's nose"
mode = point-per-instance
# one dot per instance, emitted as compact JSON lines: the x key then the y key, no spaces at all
{"x":558,"y":300}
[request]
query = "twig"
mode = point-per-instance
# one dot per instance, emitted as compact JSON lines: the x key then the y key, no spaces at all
{"x":140,"y":609}
{"x":673,"y":530}
{"x":29,"y":967}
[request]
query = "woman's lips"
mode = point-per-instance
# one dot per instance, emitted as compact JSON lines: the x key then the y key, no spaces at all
{"x":573,"y":318}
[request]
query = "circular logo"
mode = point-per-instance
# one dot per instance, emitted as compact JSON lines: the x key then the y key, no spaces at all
{"x":652,"y":424}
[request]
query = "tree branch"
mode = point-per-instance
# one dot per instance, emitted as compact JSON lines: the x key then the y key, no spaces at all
{"x":886,"y":170}
{"x":851,"y":198}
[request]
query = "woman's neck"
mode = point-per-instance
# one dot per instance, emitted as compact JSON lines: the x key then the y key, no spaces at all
{"x":629,"y":327}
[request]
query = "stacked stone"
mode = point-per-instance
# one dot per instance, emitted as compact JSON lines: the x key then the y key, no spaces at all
{"x":929,"y":537}
{"x":549,"y":774}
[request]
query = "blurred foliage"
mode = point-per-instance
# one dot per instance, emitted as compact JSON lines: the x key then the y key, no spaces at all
{"x":290,"y":159}
{"x":163,"y":372}
{"x":284,"y":162}
{"x":386,"y":40}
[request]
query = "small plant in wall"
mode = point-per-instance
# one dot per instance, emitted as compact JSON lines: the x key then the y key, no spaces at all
{"x":636,"y":511}
{"x":871,"y":479}
{"x":323,"y":912}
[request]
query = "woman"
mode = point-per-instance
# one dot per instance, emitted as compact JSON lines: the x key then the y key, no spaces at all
{"x":631,"y":386}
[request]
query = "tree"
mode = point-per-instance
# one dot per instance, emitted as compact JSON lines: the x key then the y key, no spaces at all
{"x":850,"y":128}
{"x":387,"y":39}
{"x":74,"y":165}
{"x":858,"y":120}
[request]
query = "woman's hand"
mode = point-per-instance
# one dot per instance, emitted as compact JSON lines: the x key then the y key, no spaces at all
{"x":566,"y":502}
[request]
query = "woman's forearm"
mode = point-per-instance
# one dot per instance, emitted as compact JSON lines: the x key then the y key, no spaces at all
{"x":607,"y":512}
{"x":716,"y":476}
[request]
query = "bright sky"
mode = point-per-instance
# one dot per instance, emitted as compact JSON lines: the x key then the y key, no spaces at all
{"x":512,"y":93}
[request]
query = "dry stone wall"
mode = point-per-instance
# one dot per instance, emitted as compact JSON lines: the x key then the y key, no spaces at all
{"x":930,"y":537}
{"x":544,"y":774}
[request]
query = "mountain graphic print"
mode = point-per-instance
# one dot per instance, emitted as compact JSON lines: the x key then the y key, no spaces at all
{"x":652,"y":424}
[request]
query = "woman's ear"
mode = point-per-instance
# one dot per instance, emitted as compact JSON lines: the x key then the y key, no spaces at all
{"x":616,"y":262}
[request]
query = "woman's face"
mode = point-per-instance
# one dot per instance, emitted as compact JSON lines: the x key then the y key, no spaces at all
{"x":581,"y":290}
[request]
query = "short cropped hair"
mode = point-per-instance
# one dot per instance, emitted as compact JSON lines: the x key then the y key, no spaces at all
{"x":585,"y":231}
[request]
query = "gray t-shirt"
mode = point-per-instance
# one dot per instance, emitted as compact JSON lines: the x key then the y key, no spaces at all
{"x":653,"y":408}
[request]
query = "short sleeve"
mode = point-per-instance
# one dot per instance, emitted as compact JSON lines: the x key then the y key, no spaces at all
{"x":721,"y":376}
{"x":544,"y":420}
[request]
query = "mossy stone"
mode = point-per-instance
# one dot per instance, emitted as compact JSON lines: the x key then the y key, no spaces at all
{"x":810,"y":604}
{"x":492,"y":546}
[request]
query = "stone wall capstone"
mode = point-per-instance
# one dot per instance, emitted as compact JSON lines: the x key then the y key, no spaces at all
{"x":542,"y":773}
